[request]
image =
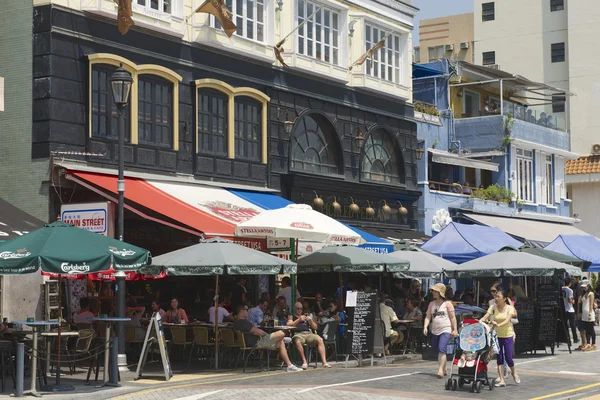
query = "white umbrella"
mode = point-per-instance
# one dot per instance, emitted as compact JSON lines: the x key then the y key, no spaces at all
{"x":298,"y":221}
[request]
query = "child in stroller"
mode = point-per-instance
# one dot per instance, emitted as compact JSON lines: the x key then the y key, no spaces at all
{"x":471,"y":357}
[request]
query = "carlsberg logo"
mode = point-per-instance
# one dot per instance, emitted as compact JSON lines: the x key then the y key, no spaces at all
{"x":7,"y":255}
{"x":74,"y":268}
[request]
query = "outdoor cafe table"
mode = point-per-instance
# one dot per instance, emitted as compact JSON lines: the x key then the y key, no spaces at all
{"x":52,"y":335}
{"x":408,"y":323}
{"x":109,"y":321}
{"x":35,"y":326}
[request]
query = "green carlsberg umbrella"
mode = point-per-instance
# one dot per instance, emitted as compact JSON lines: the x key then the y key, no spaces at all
{"x":60,"y":248}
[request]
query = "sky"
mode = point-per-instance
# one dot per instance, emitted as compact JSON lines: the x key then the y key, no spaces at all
{"x":438,"y":8}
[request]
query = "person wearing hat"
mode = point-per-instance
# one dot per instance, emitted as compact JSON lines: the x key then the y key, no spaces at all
{"x":440,"y":314}
{"x":588,"y":317}
{"x":389,"y":318}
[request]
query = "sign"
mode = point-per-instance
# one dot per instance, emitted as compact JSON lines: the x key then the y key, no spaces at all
{"x":150,"y":340}
{"x":364,"y":324}
{"x":548,"y":299}
{"x":274,"y":243}
{"x":525,"y":329}
{"x":251,"y":243}
{"x":94,"y":217}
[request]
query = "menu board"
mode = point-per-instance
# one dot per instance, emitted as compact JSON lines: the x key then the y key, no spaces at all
{"x":362,"y":324}
{"x":155,"y":335}
{"x":548,"y":299}
{"x":548,"y":295}
{"x":525,"y":329}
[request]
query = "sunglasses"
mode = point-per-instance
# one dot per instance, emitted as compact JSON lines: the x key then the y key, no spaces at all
{"x":299,"y":308}
{"x":493,"y":291}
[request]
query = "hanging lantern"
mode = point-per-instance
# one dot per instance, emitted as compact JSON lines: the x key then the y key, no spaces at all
{"x":386,"y":209}
{"x":318,"y":202}
{"x":402,"y":210}
{"x":336,"y":206}
{"x":370,"y":211}
{"x":354,"y":207}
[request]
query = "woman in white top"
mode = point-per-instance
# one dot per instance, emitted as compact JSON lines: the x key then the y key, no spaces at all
{"x":443,"y":324}
{"x":588,"y":316}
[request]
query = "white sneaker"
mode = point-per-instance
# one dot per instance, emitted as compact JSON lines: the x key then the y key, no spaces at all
{"x":293,"y":368}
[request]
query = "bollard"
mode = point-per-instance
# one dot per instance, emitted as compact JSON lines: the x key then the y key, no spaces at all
{"x":20,"y":369}
{"x":114,"y":362}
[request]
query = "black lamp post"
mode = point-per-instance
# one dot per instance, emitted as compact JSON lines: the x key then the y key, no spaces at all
{"x":120,"y":83}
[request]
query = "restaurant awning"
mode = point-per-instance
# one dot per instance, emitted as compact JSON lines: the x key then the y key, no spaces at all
{"x":444,"y":157}
{"x":584,"y":247}
{"x":15,"y":222}
{"x":526,"y":229}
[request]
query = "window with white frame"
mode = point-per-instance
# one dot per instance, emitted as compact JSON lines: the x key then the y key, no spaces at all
{"x":319,"y":37}
{"x":158,"y":5}
{"x":248,"y":16}
{"x":525,"y":178}
{"x":548,"y":181}
{"x":386,"y":61}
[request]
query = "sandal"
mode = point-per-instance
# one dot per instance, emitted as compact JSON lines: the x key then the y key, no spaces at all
{"x":517,"y":379}
{"x":304,"y":366}
{"x":326,"y":365}
{"x":500,"y":385}
{"x":441,"y":376}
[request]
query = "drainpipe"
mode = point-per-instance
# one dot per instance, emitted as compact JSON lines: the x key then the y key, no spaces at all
{"x":501,"y":98}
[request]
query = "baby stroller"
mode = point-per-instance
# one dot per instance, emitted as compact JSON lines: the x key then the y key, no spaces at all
{"x":471,"y":358}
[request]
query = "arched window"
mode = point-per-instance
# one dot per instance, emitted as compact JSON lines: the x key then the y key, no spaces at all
{"x":315,"y":146}
{"x":381,"y":160}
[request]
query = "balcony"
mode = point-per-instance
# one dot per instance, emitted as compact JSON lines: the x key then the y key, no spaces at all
{"x":427,"y":112}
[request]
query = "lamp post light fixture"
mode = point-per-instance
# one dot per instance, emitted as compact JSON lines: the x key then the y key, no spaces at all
{"x":419,"y":151}
{"x":120,"y":84}
{"x":288,"y":126}
{"x":279,"y":5}
{"x":359,"y":139}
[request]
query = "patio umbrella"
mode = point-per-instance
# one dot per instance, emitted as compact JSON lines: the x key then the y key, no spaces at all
{"x":215,"y":257}
{"x":60,"y":248}
{"x":552,"y":255}
{"x":298,"y":221}
{"x":511,"y":264}
{"x":349,"y":259}
{"x":422,"y":264}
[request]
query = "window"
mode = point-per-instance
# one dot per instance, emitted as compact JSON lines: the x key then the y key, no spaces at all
{"x":558,"y":52}
{"x":525,"y":179}
{"x":159,"y":5}
{"x":155,"y":115}
{"x":471,"y":103}
{"x":247,"y":129}
{"x":386,"y":61}
{"x":548,"y":181}
{"x":436,"y":53}
{"x":417,"y":54}
{"x":315,"y":146}
{"x":558,"y":103}
{"x":319,"y":37}
{"x":248,"y":16}
{"x":488,"y":57}
{"x":212,"y":122}
{"x":557,"y":5}
{"x":104,"y":111}
{"x":381,"y":160}
{"x":488,"y":12}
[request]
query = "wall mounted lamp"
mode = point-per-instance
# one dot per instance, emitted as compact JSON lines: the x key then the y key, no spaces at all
{"x":420,"y":150}
{"x":351,"y":28}
{"x":279,"y":5}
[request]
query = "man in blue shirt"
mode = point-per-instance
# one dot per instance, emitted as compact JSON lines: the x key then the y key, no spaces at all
{"x":257,"y":314}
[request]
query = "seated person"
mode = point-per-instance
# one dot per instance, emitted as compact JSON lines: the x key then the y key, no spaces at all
{"x":413,"y":313}
{"x":319,"y":308}
{"x":467,"y":188}
{"x":280,"y":311}
{"x":135,"y":312}
{"x":261,"y":339}
{"x":4,"y":329}
{"x":176,"y":315}
{"x":157,"y":309}
{"x":256,"y":315}
{"x":304,"y":336}
{"x":222,"y":314}
{"x":388,"y":316}
{"x":339,"y":316}
{"x":84,"y":315}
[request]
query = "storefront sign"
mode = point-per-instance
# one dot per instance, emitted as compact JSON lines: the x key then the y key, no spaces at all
{"x":251,"y":243}
{"x":94,"y":217}
{"x":278,"y":243}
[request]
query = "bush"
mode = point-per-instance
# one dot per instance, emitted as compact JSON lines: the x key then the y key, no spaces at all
{"x":494,"y":193}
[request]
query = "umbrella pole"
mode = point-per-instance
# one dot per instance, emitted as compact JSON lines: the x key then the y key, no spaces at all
{"x":341,"y":291}
{"x":59,"y":329}
{"x":217,"y":323}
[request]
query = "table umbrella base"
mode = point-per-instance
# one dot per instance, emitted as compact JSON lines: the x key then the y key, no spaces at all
{"x":29,"y":393}
{"x":108,"y":384}
{"x":58,"y":388}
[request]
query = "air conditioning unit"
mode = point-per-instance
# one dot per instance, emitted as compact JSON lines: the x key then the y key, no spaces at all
{"x":464,"y":45}
{"x":449,"y":47}
{"x":596,"y":149}
{"x":492,"y":66}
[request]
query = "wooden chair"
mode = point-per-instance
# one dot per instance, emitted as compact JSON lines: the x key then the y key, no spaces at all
{"x":230,"y":346}
{"x":179,"y":337}
{"x":201,"y":342}
{"x":132,"y":340}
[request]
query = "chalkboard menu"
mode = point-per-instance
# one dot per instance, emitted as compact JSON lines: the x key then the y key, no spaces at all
{"x":361,"y":324}
{"x":548,"y":300}
{"x":155,"y":335}
{"x":525,"y":329}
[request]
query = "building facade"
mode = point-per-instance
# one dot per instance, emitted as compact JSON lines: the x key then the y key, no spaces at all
{"x":211,"y":111}
{"x":481,"y":164}
{"x":448,"y":37}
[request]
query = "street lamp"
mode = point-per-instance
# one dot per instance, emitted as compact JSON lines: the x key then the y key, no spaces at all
{"x":120,"y":83}
{"x":419,"y":151}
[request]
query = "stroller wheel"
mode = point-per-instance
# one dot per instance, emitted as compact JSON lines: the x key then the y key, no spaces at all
{"x":461,"y":382}
{"x":448,"y":384}
{"x":491,"y":384}
{"x":454,"y":384}
{"x":478,"y":386}
{"x":472,"y":387}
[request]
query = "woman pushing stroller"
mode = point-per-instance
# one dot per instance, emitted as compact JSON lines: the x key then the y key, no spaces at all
{"x":500,"y":314}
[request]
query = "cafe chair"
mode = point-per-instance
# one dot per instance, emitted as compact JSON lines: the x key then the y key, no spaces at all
{"x":6,"y":362}
{"x":132,"y":340}
{"x":82,"y":347}
{"x":201,"y":343}
{"x":256,"y":350}
{"x":329,"y":332}
{"x":179,"y":338}
{"x":230,"y":346}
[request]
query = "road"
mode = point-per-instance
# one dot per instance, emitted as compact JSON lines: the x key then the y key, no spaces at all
{"x":561,"y":376}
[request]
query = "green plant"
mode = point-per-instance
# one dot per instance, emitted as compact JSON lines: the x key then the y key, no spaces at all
{"x":507,"y":141}
{"x":509,"y":122}
{"x":494,"y":192}
{"x":435,"y":143}
{"x":594,"y":280}
{"x":426,"y":109}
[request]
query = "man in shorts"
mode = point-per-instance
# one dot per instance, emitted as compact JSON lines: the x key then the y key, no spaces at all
{"x":260,"y":338}
{"x":304,"y":336}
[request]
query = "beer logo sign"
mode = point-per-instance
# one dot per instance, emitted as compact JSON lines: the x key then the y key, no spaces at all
{"x":122,"y":253}
{"x":229,"y":211}
{"x":74,"y":268}
{"x":301,"y":225}
{"x":9,"y":255}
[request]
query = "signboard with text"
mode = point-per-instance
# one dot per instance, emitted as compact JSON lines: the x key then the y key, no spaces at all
{"x":94,"y":217}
